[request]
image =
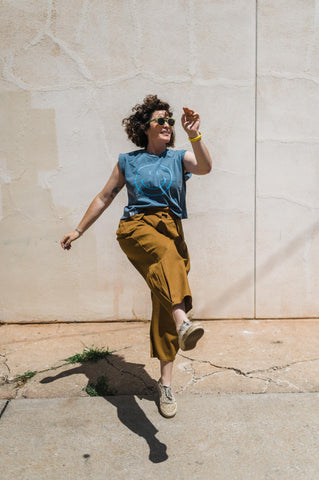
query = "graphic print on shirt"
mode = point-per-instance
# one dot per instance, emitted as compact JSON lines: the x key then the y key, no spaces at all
{"x":154,"y":179}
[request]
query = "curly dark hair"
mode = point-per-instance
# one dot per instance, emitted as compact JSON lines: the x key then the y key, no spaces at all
{"x":139,"y":121}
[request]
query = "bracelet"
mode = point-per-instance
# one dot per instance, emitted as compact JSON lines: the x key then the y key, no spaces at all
{"x":79,"y":231}
{"x":195,"y":139}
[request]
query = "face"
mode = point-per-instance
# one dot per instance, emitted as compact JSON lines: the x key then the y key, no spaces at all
{"x":157,"y":132}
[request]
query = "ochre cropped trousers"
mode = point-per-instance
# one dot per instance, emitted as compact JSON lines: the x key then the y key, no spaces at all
{"x":154,"y":243}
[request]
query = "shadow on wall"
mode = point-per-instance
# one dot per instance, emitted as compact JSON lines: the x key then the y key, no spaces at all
{"x":127,"y":379}
{"x":263,"y":270}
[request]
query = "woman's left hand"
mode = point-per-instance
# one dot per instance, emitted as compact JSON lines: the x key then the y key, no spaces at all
{"x":190,"y":122}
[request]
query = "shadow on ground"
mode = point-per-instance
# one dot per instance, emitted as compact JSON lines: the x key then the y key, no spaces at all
{"x":126,"y":380}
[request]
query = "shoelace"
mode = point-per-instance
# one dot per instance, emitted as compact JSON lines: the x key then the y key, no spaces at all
{"x":168,"y":393}
{"x":184,"y":326}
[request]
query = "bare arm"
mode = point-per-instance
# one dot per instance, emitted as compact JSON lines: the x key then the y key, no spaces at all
{"x":199,"y":160}
{"x":100,"y":203}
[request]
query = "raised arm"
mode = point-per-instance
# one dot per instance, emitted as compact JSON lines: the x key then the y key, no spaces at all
{"x":198,"y":161}
{"x":100,"y":203}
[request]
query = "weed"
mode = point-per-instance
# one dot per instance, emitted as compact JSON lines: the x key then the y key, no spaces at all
{"x":93,"y":354}
{"x":101,"y":388}
{"x":22,"y":379}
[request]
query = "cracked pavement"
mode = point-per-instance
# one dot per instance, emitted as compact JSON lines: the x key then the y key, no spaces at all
{"x":234,"y":356}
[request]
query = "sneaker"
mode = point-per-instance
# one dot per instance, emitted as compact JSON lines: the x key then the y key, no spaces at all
{"x":167,"y":402}
{"x":189,"y":334}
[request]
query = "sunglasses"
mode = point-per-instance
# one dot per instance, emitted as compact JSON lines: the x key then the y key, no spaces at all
{"x":161,"y":121}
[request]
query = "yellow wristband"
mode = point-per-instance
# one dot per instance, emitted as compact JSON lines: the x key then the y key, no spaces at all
{"x":195,"y":139}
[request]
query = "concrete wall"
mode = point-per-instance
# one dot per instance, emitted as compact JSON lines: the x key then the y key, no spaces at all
{"x":70,"y":71}
{"x":287,"y":227}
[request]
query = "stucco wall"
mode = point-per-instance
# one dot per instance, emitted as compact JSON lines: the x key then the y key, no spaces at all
{"x":70,"y":71}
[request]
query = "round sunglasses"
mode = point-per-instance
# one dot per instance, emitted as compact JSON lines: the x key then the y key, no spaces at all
{"x":161,"y":121}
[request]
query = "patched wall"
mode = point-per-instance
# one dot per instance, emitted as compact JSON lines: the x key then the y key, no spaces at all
{"x":70,"y":71}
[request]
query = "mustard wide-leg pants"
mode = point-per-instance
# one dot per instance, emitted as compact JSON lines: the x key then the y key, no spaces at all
{"x":154,"y":243}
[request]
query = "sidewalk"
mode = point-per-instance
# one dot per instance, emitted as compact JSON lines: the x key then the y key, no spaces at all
{"x":222,"y":430}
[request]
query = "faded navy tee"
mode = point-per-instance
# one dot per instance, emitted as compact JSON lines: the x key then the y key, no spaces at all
{"x":154,"y":181}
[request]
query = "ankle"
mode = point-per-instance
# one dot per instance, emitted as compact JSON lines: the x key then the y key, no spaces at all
{"x":165,"y":382}
{"x":179,"y":315}
{"x":178,"y":325}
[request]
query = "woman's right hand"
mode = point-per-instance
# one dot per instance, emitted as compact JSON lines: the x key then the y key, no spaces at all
{"x":68,"y":239}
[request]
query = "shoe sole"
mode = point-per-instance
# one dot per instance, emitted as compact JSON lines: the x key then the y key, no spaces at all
{"x":165,"y":415}
{"x":190,"y":339}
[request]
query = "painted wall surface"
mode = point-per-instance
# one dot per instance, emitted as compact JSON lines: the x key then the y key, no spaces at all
{"x":71,"y":71}
{"x":287,"y":241}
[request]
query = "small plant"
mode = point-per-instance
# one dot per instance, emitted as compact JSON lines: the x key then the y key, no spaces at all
{"x":101,"y":388}
{"x":93,"y":354}
{"x":22,"y":379}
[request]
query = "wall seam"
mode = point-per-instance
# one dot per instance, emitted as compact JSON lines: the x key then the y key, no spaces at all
{"x":255,"y":166}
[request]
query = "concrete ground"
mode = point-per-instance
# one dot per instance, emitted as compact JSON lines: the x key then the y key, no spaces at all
{"x":248,"y":406}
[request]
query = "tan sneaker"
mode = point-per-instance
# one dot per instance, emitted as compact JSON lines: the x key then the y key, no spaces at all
{"x":189,"y":334}
{"x":167,"y":402}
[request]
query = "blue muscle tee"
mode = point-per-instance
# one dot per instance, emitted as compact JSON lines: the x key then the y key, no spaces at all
{"x":154,"y":181}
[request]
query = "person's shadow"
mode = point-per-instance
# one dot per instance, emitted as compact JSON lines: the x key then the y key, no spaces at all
{"x":119,"y":381}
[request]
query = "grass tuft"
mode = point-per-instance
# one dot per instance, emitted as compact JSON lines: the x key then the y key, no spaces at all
{"x":22,"y":379}
{"x":101,"y":388}
{"x":93,"y":354}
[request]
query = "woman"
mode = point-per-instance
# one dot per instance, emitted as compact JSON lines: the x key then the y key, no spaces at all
{"x":150,"y":230}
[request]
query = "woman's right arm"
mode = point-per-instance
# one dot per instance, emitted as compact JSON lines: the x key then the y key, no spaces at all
{"x":103,"y":200}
